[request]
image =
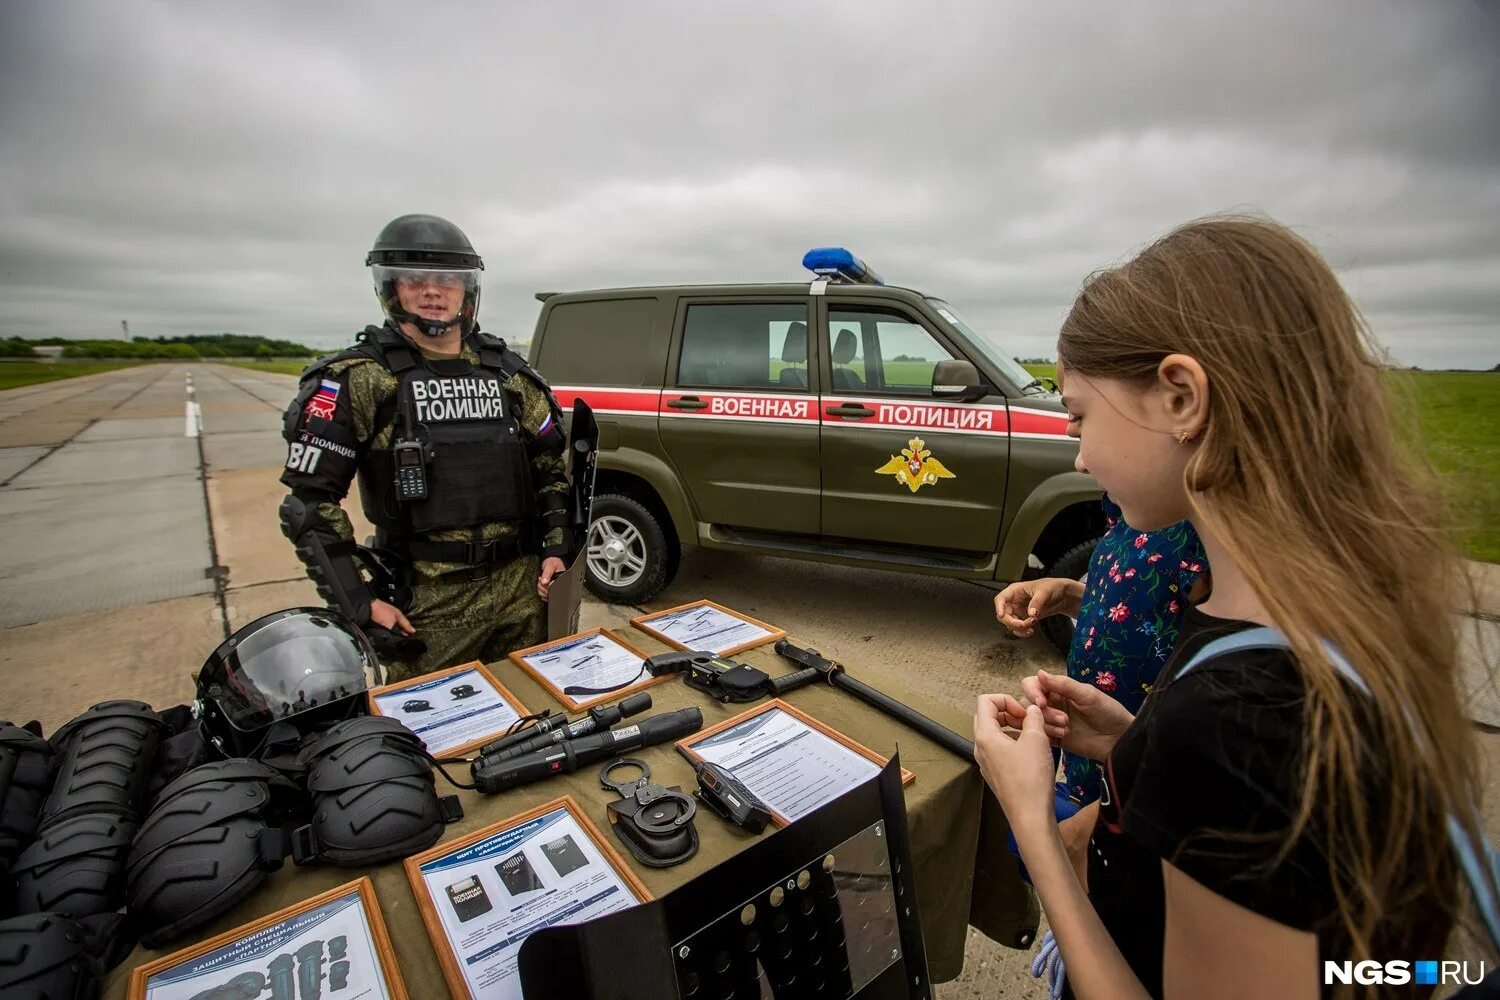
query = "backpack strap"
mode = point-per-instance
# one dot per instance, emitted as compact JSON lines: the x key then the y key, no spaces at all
{"x":1482,"y":873}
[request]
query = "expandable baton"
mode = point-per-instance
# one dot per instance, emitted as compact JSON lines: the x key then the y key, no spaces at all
{"x":557,"y":728}
{"x":726,"y":680}
{"x":492,"y":775}
{"x":834,"y":673}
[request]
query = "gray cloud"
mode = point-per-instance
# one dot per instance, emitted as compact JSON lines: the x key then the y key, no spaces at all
{"x":198,"y":167}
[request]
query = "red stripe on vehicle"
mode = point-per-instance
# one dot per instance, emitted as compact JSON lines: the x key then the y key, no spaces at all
{"x":801,"y":409}
{"x":608,"y":400}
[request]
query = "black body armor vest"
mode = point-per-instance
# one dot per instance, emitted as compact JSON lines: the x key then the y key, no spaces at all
{"x":478,"y":467}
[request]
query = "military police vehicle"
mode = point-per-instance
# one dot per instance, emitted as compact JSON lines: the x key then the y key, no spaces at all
{"x":839,"y":420}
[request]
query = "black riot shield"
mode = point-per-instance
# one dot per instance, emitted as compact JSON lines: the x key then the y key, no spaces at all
{"x":825,"y":908}
{"x":566,"y":593}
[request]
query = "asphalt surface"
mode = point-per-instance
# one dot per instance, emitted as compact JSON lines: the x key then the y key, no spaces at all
{"x":138,"y":529}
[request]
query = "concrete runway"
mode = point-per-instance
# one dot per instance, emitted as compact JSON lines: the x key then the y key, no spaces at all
{"x":137,"y":536}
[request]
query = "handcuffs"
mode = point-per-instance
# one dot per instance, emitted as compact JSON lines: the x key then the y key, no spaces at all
{"x":653,"y":822}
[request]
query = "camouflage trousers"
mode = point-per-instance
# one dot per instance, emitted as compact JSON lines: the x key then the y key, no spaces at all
{"x":463,"y":619}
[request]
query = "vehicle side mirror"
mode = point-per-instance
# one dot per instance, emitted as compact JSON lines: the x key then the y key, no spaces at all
{"x":957,"y":379}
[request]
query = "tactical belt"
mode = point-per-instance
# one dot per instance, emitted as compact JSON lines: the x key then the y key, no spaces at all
{"x":479,"y":555}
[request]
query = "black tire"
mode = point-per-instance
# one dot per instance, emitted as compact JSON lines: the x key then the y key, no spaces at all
{"x":660,"y":562}
{"x":1072,"y":565}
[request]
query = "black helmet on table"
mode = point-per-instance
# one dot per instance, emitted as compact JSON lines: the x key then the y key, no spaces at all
{"x":304,"y":666}
{"x":426,"y":261}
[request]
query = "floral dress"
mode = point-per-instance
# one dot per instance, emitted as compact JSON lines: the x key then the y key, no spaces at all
{"x":1133,"y":602}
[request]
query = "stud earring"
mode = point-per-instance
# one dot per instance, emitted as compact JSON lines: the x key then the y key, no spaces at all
{"x":1182,"y":437}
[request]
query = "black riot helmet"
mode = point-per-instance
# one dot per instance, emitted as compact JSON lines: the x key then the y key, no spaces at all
{"x":421,"y":264}
{"x":303,"y":666}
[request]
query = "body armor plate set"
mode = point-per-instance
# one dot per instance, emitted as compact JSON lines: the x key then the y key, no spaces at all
{"x":105,"y":816}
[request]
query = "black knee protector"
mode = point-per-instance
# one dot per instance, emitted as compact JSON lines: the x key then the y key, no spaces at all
{"x":104,"y":760}
{"x":284,"y":797}
{"x":338,"y":976}
{"x":25,"y":760}
{"x":373,"y":794}
{"x":43,"y":955}
{"x":205,"y":847}
{"x":76,"y":868}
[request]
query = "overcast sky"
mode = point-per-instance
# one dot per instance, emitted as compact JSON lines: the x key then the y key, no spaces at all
{"x":198,"y":167}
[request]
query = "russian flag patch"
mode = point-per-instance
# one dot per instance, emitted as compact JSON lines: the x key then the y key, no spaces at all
{"x":324,"y":400}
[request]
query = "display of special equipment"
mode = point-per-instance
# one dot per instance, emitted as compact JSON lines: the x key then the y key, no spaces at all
{"x":453,"y":711}
{"x":704,"y":626}
{"x":481,"y":895}
{"x":334,"y":945}
{"x":827,"y":908}
{"x":131,"y":822}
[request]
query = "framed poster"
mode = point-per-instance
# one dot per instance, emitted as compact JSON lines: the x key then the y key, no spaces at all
{"x":587,"y":668}
{"x":336,"y":939}
{"x":482,"y":895}
{"x":452,"y":710}
{"x":709,"y":627}
{"x":791,"y":761}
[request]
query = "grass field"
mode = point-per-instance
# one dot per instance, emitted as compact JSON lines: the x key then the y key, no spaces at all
{"x":275,"y":367}
{"x":1458,"y":419}
{"x":14,"y":374}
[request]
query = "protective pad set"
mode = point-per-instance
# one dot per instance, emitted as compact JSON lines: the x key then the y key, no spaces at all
{"x":373,"y":795}
{"x":207,"y":844}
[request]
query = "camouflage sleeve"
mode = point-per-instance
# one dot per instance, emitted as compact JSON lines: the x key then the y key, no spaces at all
{"x":542,"y":422}
{"x":330,"y":422}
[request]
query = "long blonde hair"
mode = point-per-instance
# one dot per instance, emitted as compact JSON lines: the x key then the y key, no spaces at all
{"x":1298,"y":473}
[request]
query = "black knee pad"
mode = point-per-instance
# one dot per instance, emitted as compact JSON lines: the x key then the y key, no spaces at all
{"x":373,"y":796}
{"x":284,"y":795}
{"x":105,"y":759}
{"x":205,"y":846}
{"x":25,"y":778}
{"x":76,"y":868}
{"x":46,"y":956}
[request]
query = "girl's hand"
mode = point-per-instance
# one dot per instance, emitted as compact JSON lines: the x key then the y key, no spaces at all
{"x":1015,"y":758}
{"x":1021,"y":605}
{"x":1078,"y":717}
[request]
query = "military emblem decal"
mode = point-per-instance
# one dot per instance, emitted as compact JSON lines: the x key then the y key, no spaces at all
{"x":915,"y":468}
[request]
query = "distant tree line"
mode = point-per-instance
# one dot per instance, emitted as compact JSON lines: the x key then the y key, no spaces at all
{"x":220,"y":345}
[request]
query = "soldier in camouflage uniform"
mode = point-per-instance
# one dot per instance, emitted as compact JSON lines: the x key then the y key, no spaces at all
{"x":458,"y":446}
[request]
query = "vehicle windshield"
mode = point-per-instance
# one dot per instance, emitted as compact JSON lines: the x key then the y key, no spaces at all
{"x":1008,"y":366}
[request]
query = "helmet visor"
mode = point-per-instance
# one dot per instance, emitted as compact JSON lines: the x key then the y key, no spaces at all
{"x":289,"y":666}
{"x":433,"y":295}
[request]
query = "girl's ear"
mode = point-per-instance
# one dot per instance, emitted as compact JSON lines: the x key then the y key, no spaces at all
{"x":1183,"y":388}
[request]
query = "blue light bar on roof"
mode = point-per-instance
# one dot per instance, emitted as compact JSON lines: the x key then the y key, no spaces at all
{"x":840,"y":265}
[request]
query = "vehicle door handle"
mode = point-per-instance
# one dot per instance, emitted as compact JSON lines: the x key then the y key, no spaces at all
{"x":849,"y":410}
{"x":687,"y":403}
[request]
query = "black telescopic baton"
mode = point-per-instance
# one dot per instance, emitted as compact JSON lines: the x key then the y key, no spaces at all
{"x":492,"y":775}
{"x":554,"y":730}
{"x":834,"y":672}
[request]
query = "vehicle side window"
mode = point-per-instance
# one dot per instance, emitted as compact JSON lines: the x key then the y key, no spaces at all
{"x":874,"y":351}
{"x":745,"y":347}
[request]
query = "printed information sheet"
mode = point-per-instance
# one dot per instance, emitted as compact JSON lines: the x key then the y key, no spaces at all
{"x":584,"y":667}
{"x":790,"y":766}
{"x":493,"y":893}
{"x":451,"y":709}
{"x":331,"y":942}
{"x":708,"y":628}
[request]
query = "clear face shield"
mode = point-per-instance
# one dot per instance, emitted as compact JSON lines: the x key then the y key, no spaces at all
{"x":432,"y":299}
{"x":292,"y":665}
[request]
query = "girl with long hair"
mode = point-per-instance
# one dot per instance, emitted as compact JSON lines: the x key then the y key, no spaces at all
{"x":1264,"y":812}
